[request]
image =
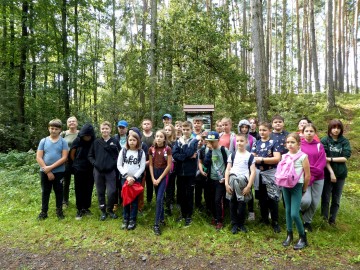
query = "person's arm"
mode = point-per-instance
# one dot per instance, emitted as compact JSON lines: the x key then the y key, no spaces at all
{"x":247,"y":189}
{"x":151,"y":169}
{"x":336,"y":159}
{"x":72,"y":153}
{"x":269,"y":160}
{"x":331,"y":171}
{"x":142,"y":166}
{"x":121,"y":165}
{"x":91,"y":155}
{"x":307,"y":175}
{"x":166,"y":171}
{"x":200,"y":166}
{"x":227,"y":176}
{"x":59,"y":162}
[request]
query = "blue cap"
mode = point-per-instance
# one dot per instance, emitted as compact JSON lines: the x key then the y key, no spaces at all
{"x":167,"y":115}
{"x":122,"y":123}
{"x":212,"y":136}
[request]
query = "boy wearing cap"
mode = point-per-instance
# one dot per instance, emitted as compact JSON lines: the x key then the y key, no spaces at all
{"x":185,"y":153}
{"x":122,"y":130}
{"x":167,"y":119}
{"x":51,"y":155}
{"x":215,"y":161}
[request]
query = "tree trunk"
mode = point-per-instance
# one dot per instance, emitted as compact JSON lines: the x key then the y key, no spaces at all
{"x":356,"y":27}
{"x":65,"y":72}
{"x":268,"y":40}
{"x":76,"y":64}
{"x":260,"y":72}
{"x":330,"y":59}
{"x":153,"y":57}
{"x":299,"y":86}
{"x":244,"y":32}
{"x":313,"y":47}
{"x":284,"y":69}
{"x":143,"y":55}
{"x":113,"y":25}
{"x":340,"y":73}
{"x":305,"y":46}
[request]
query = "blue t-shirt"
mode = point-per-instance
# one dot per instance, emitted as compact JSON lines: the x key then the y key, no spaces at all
{"x":280,"y":139}
{"x":53,"y":152}
{"x":265,"y":149}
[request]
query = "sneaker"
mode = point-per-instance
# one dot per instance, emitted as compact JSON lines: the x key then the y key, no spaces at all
{"x":332,"y":223}
{"x":86,"y":212}
{"x":60,"y":213}
{"x":251,"y":216}
{"x":157,"y":230}
{"x":132,"y":225}
{"x":115,"y":208}
{"x":79,"y":215}
{"x":162,"y":223}
{"x":276,"y":228}
{"x":307,"y":227}
{"x":113,"y":215}
{"x":234,"y":229}
{"x":125,"y":224}
{"x":42,"y":216}
{"x":103,"y":216}
{"x":188,"y":221}
{"x":242,"y":228}
{"x":219,"y":226}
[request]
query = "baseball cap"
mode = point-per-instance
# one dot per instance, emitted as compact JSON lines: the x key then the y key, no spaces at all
{"x":122,"y":123}
{"x":167,"y":115}
{"x":212,"y":136}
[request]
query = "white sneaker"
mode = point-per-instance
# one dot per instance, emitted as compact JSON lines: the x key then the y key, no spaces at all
{"x":251,"y":216}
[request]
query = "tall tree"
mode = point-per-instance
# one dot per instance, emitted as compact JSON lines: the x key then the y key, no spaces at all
{"x":298,"y":44}
{"x":313,"y":47}
{"x":153,"y":57}
{"x":355,"y":35}
{"x":65,"y":60}
{"x":330,"y":58}
{"x":340,"y":33}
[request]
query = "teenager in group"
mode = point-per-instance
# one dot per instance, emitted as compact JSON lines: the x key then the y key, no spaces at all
{"x":317,"y":160}
{"x":131,"y":165}
{"x":253,"y":132}
{"x":178,"y":129}
{"x":83,"y":170}
{"x":103,"y":155}
{"x":167,"y":119}
{"x":201,"y":185}
{"x":160,"y":160}
{"x":338,"y":151}
{"x":197,"y":125}
{"x":302,"y":122}
{"x":215,"y":161}
{"x":51,"y":155}
{"x":244,"y":128}
{"x":227,"y":138}
{"x":292,"y":192}
{"x":185,"y":156}
{"x":267,"y":157}
{"x":239,"y":178}
{"x":219,"y":127}
{"x":69,"y":136}
{"x":122,"y":126}
{"x":279,"y":134}
{"x":170,"y":188}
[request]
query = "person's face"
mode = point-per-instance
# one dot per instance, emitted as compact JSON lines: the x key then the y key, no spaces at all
{"x":132,"y":141}
{"x":264,"y":132}
{"x":86,"y":138}
{"x":301,"y":125}
{"x":214,"y":144}
{"x":178,"y":128}
{"x":54,"y":131}
{"x":166,"y":120}
{"x":241,"y":142}
{"x":252,"y":124}
{"x":186,"y":131}
{"x":159,"y":138}
{"x":168,"y":130}
{"x":197,"y":124}
{"x":309,"y":133}
{"x":72,"y":123}
{"x":292,"y":145}
{"x":244,"y":129}
{"x":226,"y":127}
{"x":219,"y":127}
{"x":278,"y":124}
{"x":146,"y":125}
{"x":105,"y":131}
{"x":335,"y":131}
{"x":122,"y":130}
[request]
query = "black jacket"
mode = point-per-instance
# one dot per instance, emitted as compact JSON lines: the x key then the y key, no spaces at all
{"x":182,"y":154}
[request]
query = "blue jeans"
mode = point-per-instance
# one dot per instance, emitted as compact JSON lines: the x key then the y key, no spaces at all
{"x":130,"y":210}
{"x":159,"y":191}
{"x":46,"y":187}
{"x":331,"y":191}
{"x":292,"y":199}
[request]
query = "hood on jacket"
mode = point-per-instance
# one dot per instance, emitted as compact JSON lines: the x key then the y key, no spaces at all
{"x":244,"y":122}
{"x":87,"y":130}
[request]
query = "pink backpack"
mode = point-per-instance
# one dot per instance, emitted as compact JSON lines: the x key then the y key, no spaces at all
{"x":285,"y":175}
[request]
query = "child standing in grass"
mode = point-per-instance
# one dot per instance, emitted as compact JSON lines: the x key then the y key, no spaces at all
{"x":131,"y":164}
{"x":51,"y":156}
{"x":159,"y":164}
{"x":170,"y":188}
{"x":293,"y":195}
{"x":239,"y":178}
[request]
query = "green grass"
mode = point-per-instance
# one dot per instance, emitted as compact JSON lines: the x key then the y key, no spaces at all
{"x":20,"y":199}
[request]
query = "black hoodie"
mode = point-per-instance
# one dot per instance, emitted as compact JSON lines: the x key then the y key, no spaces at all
{"x":82,"y":147}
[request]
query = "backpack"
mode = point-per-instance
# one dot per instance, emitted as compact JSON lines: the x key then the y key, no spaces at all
{"x":140,"y":152}
{"x":286,"y":175}
{"x":166,"y":148}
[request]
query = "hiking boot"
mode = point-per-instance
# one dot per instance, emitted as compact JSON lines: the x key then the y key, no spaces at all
{"x":276,"y":227}
{"x":42,"y":215}
{"x":86,"y":212}
{"x":234,"y":229}
{"x":307,"y":227}
{"x":79,"y":215}
{"x":112,"y":215}
{"x":59,"y":213}
{"x":132,"y":225}
{"x":251,"y":216}
{"x":219,"y":226}
{"x":157,"y":230}
{"x":242,"y":228}
{"x":103,"y":215}
{"x":288,"y":240}
{"x":188,"y":221}
{"x":301,"y":243}
{"x":125,"y":224}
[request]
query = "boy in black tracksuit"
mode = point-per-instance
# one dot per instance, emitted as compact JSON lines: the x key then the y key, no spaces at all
{"x":184,"y":153}
{"x":103,"y":156}
{"x":83,"y":169}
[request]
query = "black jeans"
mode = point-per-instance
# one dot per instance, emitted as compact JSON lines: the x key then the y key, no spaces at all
{"x":46,"y":187}
{"x":105,"y":182}
{"x":331,"y":191}
{"x":84,"y":185}
{"x":186,"y":194}
{"x":66,"y":182}
{"x":237,"y":211}
{"x":217,"y":195}
{"x":267,"y":204}
{"x":149,"y":186}
{"x":170,"y":190}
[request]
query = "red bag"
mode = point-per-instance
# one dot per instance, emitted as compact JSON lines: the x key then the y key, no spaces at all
{"x":129,"y":193}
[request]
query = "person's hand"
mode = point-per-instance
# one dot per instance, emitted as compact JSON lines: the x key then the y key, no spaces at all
{"x":209,"y":145}
{"x":246,"y":191}
{"x":332,"y":178}
{"x":194,"y":155}
{"x":50,"y":176}
{"x":130,"y":180}
{"x":155,"y":183}
{"x":222,"y":180}
{"x":228,"y":189}
{"x":203,"y":173}
{"x":258,"y":160}
{"x":198,"y":137}
{"x":46,"y":169}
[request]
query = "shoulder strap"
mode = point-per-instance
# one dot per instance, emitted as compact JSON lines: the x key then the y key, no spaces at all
{"x":124,"y":156}
{"x":251,"y":159}
{"x":140,"y":151}
{"x":224,"y":155}
{"x":232,"y":158}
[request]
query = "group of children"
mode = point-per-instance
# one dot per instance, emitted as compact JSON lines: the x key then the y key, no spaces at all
{"x":222,"y":166}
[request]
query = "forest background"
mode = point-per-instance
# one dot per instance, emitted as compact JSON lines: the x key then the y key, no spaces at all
{"x":121,"y":59}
